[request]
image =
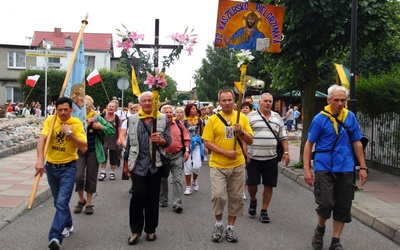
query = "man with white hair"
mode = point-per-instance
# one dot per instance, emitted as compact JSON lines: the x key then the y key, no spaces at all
{"x":178,"y":152}
{"x":336,"y":135}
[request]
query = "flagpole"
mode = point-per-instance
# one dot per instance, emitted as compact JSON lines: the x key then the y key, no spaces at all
{"x":243,"y":70}
{"x":29,"y":94}
{"x":108,"y":98}
{"x":78,"y":42}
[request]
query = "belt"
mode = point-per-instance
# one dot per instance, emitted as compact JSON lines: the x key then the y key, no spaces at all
{"x":61,"y":165}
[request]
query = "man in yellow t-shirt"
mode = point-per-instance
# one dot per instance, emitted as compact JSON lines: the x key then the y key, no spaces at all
{"x":227,"y":166}
{"x":66,"y":138}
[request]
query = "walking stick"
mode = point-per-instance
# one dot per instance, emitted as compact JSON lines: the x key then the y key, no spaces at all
{"x":67,"y":76}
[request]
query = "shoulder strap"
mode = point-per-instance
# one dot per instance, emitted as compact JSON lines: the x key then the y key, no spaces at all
{"x":178,"y":123}
{"x":226,"y":124}
{"x":222,"y":119}
{"x":269,"y":126}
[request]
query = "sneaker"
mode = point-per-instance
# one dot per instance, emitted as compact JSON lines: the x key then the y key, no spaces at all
{"x":178,"y":209}
{"x":231,"y":235}
{"x":336,"y":246}
{"x":217,"y":234}
{"x":163,"y":204}
{"x":252,"y":208}
{"x":54,"y":244}
{"x":195,"y":186}
{"x":264,"y":216}
{"x":188,"y":191}
{"x":318,"y":240}
{"x":67,"y":231}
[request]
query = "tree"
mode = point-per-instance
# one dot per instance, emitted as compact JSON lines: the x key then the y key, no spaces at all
{"x":316,"y":33}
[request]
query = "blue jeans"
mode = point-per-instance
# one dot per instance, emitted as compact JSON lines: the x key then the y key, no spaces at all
{"x":289,"y":125}
{"x":61,"y":181}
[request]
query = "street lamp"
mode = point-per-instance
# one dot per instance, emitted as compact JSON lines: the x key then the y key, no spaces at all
{"x":47,"y":47}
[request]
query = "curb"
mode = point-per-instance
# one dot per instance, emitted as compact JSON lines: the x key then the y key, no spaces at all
{"x":358,"y":211}
{"x":42,"y":195}
{"x":18,"y":149}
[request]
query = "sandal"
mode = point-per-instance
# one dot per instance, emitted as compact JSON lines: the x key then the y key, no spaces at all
{"x":102,"y":176}
{"x":112,"y":176}
{"x":78,"y":208}
{"x":89,"y":209}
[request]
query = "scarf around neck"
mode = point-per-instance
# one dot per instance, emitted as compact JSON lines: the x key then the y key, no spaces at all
{"x":143,"y":115}
{"x":90,"y":114}
{"x":193,"y":119}
{"x":341,"y":117}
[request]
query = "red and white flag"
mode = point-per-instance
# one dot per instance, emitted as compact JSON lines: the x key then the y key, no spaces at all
{"x":31,"y":80}
{"x":93,"y":77}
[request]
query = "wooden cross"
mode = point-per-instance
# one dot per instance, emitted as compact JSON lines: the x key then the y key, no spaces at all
{"x":156,"y":47}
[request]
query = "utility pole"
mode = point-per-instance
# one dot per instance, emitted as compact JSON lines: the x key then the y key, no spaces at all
{"x":352,"y":103}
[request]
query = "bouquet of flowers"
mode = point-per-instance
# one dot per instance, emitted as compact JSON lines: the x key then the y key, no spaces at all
{"x":244,"y":57}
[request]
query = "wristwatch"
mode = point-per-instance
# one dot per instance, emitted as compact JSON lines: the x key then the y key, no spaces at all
{"x":68,"y":133}
{"x":286,"y":152}
{"x":187,"y":149}
{"x":365,"y":169}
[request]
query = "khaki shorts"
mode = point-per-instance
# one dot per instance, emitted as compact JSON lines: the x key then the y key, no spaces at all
{"x":227,"y":186}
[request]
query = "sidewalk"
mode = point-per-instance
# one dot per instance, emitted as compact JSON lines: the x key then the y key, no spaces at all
{"x":377,"y":204}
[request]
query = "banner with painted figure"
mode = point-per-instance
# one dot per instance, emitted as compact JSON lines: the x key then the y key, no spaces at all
{"x":76,"y":85}
{"x":250,"y":26}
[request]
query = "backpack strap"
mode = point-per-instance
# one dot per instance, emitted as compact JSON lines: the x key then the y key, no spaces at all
{"x":178,"y":123}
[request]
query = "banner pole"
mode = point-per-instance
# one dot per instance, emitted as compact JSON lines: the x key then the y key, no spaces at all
{"x":78,"y":42}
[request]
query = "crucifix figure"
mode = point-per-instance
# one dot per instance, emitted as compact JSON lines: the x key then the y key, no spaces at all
{"x":156,"y":95}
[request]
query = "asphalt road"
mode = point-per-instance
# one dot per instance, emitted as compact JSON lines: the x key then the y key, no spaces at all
{"x":291,"y":212}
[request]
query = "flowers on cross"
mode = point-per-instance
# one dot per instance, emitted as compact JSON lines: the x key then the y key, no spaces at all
{"x":185,"y":39}
{"x":244,"y":57}
{"x":129,"y":43}
{"x":158,"y":81}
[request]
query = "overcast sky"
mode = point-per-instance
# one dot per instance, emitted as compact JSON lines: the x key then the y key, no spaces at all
{"x":19,"y":19}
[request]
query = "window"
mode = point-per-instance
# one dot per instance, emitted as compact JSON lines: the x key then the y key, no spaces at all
{"x":54,"y":63}
{"x":89,"y":62}
{"x":13,"y":94}
{"x":16,"y":59}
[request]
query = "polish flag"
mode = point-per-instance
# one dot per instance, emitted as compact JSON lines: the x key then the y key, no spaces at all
{"x":31,"y":80}
{"x":93,"y":77}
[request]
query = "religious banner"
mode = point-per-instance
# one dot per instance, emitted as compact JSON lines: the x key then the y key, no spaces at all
{"x":249,"y":26}
{"x":76,"y":85}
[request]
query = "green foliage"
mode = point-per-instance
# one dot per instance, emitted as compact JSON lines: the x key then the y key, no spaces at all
{"x":298,"y":164}
{"x":379,"y":94}
{"x":317,"y":33}
{"x":182,"y":96}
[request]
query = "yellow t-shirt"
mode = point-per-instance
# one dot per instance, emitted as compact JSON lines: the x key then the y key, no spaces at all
{"x":61,"y":149}
{"x":216,"y":132}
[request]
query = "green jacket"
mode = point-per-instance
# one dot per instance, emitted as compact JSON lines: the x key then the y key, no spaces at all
{"x":108,"y":130}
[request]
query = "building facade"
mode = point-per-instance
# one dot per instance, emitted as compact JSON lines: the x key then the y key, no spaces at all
{"x":99,"y":53}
